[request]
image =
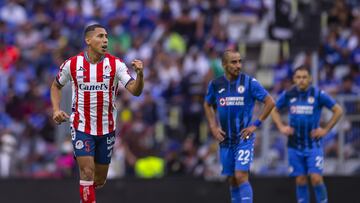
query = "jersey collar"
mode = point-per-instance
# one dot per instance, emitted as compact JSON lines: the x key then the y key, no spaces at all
{"x":88,"y":59}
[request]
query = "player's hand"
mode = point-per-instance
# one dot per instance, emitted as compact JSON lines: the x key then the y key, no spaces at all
{"x":60,"y":116}
{"x":318,"y":133}
{"x":218,"y":133}
{"x":247,"y":132}
{"x":287,"y":130}
{"x":138,"y":66}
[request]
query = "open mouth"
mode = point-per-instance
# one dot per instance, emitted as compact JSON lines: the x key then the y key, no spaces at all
{"x":104,"y":47}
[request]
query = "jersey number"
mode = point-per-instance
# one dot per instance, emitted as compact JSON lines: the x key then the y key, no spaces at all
{"x":319,"y":162}
{"x":244,"y":156}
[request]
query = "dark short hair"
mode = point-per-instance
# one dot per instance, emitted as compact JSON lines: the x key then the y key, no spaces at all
{"x":303,"y":68}
{"x":92,"y":28}
{"x":226,"y":54}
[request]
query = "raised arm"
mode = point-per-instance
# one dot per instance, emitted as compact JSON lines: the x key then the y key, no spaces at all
{"x":136,"y":86}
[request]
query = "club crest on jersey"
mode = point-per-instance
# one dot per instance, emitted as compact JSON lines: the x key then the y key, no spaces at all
{"x":241,"y":89}
{"x":79,"y":144}
{"x":311,"y":100}
{"x":107,"y":72}
{"x":81,"y":69}
{"x":107,"y":69}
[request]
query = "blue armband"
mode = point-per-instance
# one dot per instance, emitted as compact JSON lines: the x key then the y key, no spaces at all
{"x":257,"y":123}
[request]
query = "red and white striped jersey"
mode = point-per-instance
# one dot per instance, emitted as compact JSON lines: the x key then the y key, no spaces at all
{"x":93,"y":91}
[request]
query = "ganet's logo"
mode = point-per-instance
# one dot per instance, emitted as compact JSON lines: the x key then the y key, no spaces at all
{"x":91,"y":87}
{"x":241,"y":89}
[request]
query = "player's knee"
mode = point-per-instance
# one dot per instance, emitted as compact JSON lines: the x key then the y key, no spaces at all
{"x":241,"y":177}
{"x":100,"y":183}
{"x":316,"y":179}
{"x":301,"y":180}
{"x":87,"y":173}
{"x":232,"y":181}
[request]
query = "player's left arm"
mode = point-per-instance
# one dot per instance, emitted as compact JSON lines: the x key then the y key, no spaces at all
{"x":326,"y":100}
{"x":337,"y":113}
{"x":136,"y":86}
{"x":262,"y":95}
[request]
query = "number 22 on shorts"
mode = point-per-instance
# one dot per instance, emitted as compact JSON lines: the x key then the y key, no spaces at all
{"x":244,"y":156}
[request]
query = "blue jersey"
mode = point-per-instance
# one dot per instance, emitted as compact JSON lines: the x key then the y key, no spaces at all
{"x":234,"y":101}
{"x":304,"y":109}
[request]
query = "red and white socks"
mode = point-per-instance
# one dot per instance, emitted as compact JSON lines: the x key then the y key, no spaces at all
{"x":87,"y":191}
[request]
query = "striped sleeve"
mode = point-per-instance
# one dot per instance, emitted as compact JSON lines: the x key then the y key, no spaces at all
{"x":122,"y":72}
{"x":64,"y":74}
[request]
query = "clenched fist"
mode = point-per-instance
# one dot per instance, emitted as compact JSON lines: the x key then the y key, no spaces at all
{"x":60,"y":116}
{"x":138,"y":66}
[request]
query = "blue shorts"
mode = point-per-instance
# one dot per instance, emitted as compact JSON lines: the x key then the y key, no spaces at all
{"x":305,"y":162}
{"x":100,"y":147}
{"x":236,"y":157}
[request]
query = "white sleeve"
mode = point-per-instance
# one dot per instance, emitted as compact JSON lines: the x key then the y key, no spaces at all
{"x":122,"y":72}
{"x":64,"y":74}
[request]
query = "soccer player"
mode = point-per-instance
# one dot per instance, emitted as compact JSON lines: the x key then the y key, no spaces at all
{"x":233,"y":96}
{"x":94,"y":75}
{"x":304,"y":103}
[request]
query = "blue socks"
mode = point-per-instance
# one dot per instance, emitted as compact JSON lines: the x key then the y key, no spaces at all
{"x":242,"y":193}
{"x":320,"y":193}
{"x":302,"y":193}
{"x":246,"y":193}
{"x":235,"y":194}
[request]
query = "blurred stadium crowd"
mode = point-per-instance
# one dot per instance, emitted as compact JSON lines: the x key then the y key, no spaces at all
{"x":180,"y":43}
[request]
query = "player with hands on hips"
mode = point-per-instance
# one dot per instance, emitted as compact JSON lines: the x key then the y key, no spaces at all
{"x":228,"y":106}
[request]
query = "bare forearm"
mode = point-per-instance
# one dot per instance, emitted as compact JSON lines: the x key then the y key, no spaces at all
{"x":136,"y":86}
{"x":269,"y":105}
{"x":210,"y":115}
{"x":337,"y":112}
{"x":277,"y":118}
{"x":55,"y":95}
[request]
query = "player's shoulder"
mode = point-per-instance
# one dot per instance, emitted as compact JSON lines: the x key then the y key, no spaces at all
{"x":218,"y":81}
{"x":291,"y":92}
{"x":112,"y":57}
{"x":318,"y":90}
{"x":75,"y":57}
{"x":68,"y":61}
{"x":249,"y":78}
